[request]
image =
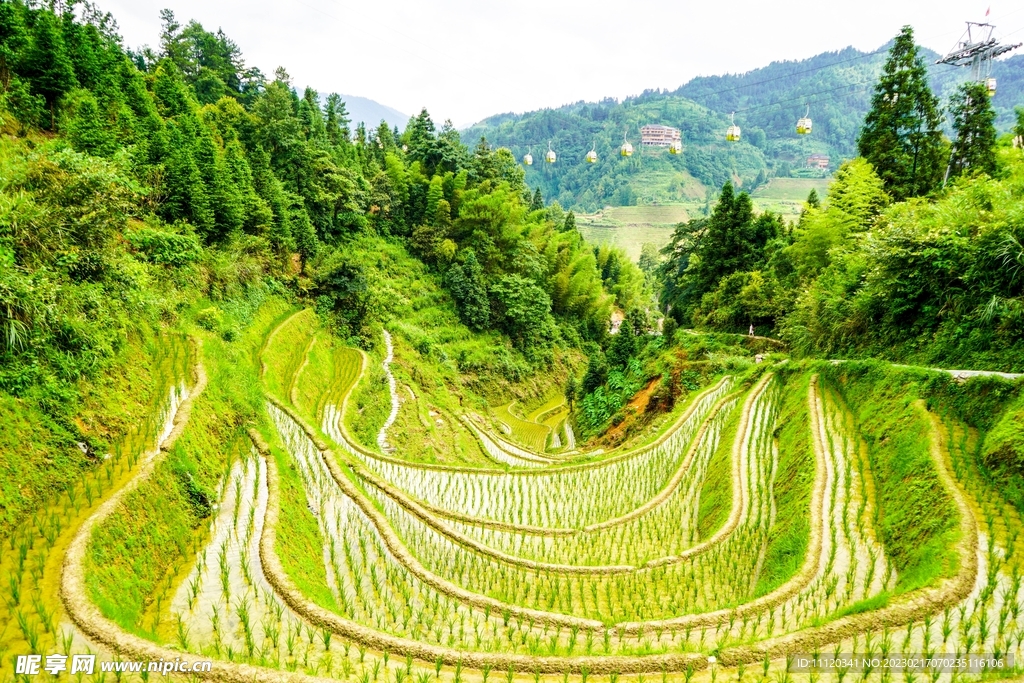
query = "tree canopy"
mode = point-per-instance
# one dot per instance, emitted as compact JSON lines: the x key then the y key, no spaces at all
{"x":902,"y":136}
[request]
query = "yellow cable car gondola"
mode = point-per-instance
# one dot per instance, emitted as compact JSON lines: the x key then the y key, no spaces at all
{"x":627,"y":149}
{"x":803,"y":126}
{"x":550,"y":157}
{"x":676,"y":147}
{"x":528,"y":158}
{"x":732,"y":133}
{"x":990,"y":85}
{"x":592,"y":156}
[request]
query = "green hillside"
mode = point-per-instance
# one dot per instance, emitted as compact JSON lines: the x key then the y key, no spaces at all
{"x":649,"y":176}
{"x":835,"y":85}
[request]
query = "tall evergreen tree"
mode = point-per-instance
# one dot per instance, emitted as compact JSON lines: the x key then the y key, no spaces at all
{"x":538,"y":201}
{"x":186,"y":196}
{"x":302,"y":230}
{"x":597,"y":373}
{"x":623,"y":346}
{"x":704,"y":251}
{"x":86,"y":129}
{"x":48,"y":63}
{"x":336,"y":119}
{"x":422,"y":143}
{"x":570,"y":222}
{"x":483,"y":165}
{"x":901,"y":136}
{"x":812,"y":199}
{"x":13,"y":37}
{"x":974,"y":147}
{"x":571,"y":388}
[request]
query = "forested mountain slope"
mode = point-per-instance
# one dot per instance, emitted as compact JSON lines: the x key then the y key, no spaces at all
{"x":915,"y":253}
{"x":837,"y":86}
{"x":833,"y":87}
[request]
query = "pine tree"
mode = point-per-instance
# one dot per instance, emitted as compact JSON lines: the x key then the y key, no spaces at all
{"x":13,"y":37}
{"x":172,"y":93}
{"x":422,"y":143}
{"x":171,"y":45}
{"x":571,"y":389}
{"x":901,"y":136}
{"x":186,"y":197}
{"x":483,"y":164}
{"x":704,"y":251}
{"x":668,"y":329}
{"x":269,"y":189}
{"x":570,"y":222}
{"x":623,"y":346}
{"x":311,"y":117}
{"x":597,"y":373}
{"x":336,"y":119}
{"x":812,"y":199}
{"x":974,"y":147}
{"x":86,"y":130}
{"x":306,"y":241}
{"x":538,"y":201}
{"x":50,"y":69}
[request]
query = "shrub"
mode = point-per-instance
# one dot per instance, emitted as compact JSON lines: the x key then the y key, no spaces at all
{"x":208,"y":318}
{"x":165,"y":248}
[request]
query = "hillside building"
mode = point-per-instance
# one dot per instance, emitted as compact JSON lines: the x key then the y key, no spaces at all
{"x":654,"y":135}
{"x":818,"y":161}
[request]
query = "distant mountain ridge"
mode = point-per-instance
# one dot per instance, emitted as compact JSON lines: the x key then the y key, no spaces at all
{"x":837,"y":86}
{"x":371,"y":112}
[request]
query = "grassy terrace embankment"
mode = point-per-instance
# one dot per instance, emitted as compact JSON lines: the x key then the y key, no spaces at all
{"x":136,"y":557}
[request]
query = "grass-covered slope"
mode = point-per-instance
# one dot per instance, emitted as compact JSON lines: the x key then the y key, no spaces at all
{"x":789,"y":537}
{"x":169,"y":513}
{"x":916,"y":517}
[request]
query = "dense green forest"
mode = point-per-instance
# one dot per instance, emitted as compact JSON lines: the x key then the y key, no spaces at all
{"x":650,"y":175}
{"x":140,"y":187}
{"x":837,"y":86}
{"x":833,"y":87}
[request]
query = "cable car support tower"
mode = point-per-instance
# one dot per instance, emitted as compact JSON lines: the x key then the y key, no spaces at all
{"x":976,"y":49}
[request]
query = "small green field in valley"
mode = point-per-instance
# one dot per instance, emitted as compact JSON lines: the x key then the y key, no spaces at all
{"x":630,"y":227}
{"x":787,"y":195}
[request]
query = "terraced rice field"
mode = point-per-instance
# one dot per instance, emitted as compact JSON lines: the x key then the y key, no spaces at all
{"x":754,"y":529}
{"x":522,"y":430}
{"x":31,"y":559}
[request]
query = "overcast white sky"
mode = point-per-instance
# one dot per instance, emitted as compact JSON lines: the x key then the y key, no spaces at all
{"x":468,"y":59}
